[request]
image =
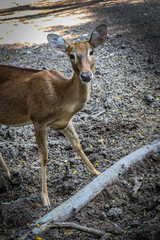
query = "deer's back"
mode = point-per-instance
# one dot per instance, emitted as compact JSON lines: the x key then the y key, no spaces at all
{"x":26,"y":94}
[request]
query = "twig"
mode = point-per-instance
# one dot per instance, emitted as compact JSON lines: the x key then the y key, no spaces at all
{"x":136,"y":186}
{"x":72,"y":225}
{"x":98,"y":114}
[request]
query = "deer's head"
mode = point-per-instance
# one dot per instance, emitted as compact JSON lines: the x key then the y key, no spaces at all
{"x":81,"y":54}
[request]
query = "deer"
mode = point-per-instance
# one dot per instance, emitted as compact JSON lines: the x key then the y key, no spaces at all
{"x":46,"y":98}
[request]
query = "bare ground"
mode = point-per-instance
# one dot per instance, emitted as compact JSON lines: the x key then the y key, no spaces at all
{"x":121,"y":116}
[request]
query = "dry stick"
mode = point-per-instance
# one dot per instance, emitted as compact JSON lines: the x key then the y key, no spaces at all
{"x":98,"y":114}
{"x":81,"y":198}
{"x":74,"y":226}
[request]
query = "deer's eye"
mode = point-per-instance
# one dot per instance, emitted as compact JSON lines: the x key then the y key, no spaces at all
{"x":91,"y":53}
{"x":71,"y":56}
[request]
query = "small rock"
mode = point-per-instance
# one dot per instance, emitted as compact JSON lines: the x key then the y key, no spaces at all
{"x":28,"y":51}
{"x":123,"y":46}
{"x":105,"y":237}
{"x":155,"y":157}
{"x":15,"y":151}
{"x":57,"y":163}
{"x":85,"y":35}
{"x":53,"y":143}
{"x":114,"y":228}
{"x":149,"y":98}
{"x":106,"y":206}
{"x":16,"y":177}
{"x":115,"y":212}
{"x":124,"y":182}
{"x":141,"y":137}
{"x":158,"y":185}
{"x":106,"y":120}
{"x":108,"y":103}
{"x":135,"y":223}
{"x":68,"y":187}
{"x":157,"y":72}
{"x":97,"y":72}
{"x":158,"y":208}
{"x":16,"y":172}
{"x":157,"y":86}
{"x":115,"y":238}
{"x":71,"y":161}
{"x":103,"y":216}
{"x":88,"y":150}
{"x":158,"y":199}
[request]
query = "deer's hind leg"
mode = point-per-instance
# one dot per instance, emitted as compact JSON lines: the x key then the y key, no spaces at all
{"x":4,"y":166}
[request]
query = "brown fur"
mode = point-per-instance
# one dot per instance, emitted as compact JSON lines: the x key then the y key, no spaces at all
{"x":48,"y":99}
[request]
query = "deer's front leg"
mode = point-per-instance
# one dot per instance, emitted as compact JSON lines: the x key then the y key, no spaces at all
{"x":41,"y":137}
{"x":71,"y":134}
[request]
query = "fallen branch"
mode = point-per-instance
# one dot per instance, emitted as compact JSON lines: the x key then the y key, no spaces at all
{"x":72,"y":225}
{"x":85,"y":195}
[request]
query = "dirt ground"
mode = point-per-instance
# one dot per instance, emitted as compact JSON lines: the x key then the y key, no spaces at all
{"x":121,"y":116}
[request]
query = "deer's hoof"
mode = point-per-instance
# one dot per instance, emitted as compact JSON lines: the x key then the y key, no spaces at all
{"x":95,"y":172}
{"x":46,"y":201}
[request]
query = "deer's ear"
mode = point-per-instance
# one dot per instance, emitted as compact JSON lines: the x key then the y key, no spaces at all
{"x":98,"y":36}
{"x":57,"y":43}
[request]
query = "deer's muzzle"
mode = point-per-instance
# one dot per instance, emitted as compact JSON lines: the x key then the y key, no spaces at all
{"x":86,"y":77}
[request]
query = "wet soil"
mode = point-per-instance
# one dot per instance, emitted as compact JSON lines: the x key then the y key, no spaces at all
{"x":121,"y":116}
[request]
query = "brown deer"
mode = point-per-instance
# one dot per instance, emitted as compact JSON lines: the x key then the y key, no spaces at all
{"x":46,"y":98}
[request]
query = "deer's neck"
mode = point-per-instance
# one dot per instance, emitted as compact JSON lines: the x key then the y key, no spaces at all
{"x":81,"y":89}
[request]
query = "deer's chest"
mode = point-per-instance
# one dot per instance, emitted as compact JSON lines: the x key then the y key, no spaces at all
{"x":64,"y":114}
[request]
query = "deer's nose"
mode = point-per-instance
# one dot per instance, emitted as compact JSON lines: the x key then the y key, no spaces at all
{"x":86,"y":77}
